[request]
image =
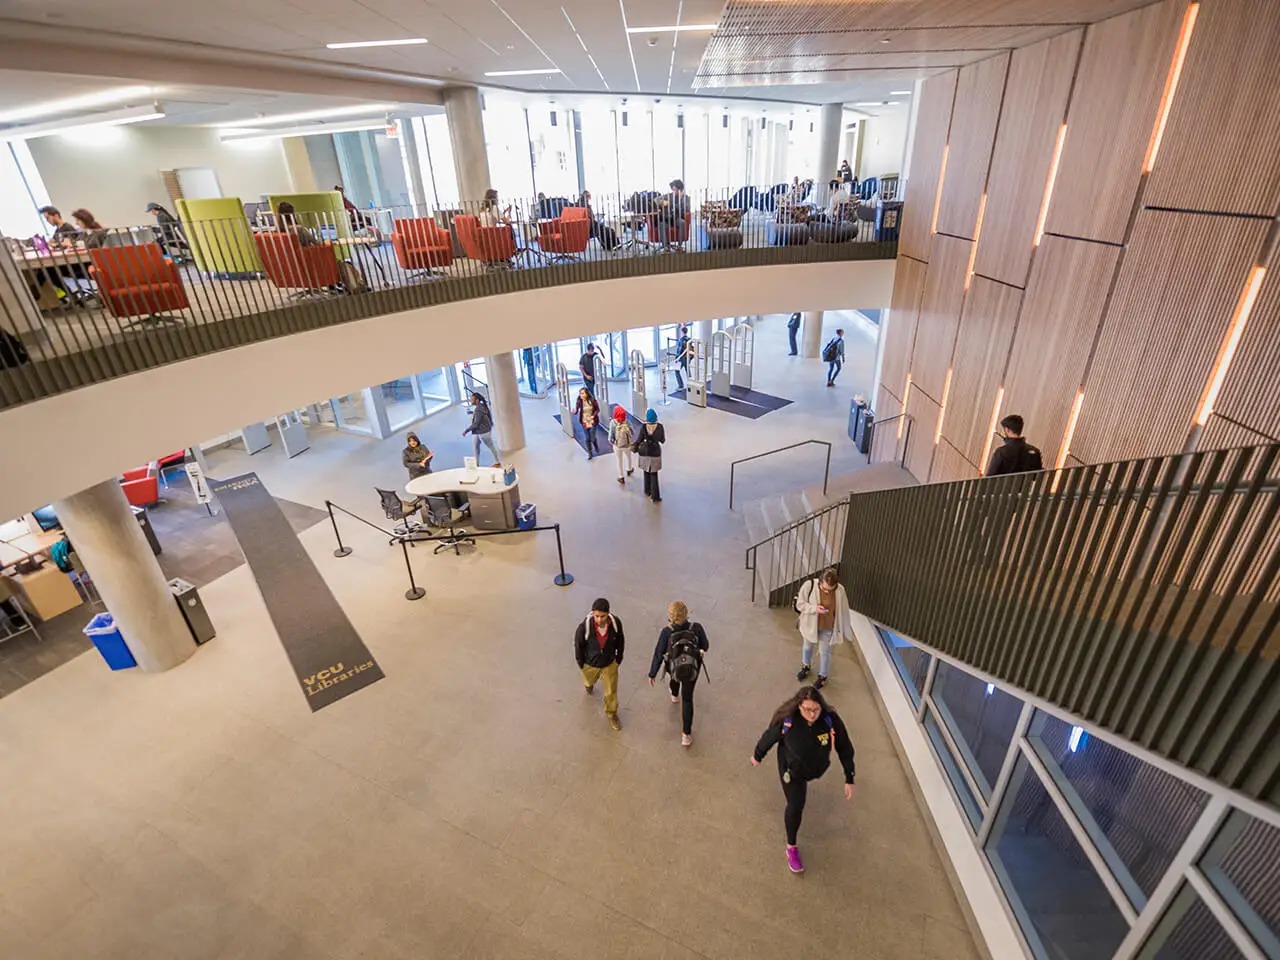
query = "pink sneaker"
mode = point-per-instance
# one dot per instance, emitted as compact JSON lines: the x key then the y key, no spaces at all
{"x":685,"y":740}
{"x":794,"y":861}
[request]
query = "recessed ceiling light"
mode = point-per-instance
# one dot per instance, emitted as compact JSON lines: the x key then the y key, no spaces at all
{"x":885,"y":40}
{"x":347,"y":44}
{"x":357,"y":110}
{"x":522,"y":73}
{"x":676,"y":28}
{"x":99,"y":99}
{"x":899,"y":93}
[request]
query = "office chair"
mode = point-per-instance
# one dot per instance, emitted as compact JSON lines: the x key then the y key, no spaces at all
{"x":401,"y":510}
{"x":440,"y":514}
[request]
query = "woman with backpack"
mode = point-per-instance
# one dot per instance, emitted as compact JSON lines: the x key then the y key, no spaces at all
{"x":649,"y":453}
{"x":481,"y":429}
{"x":823,"y":606}
{"x":588,"y":413}
{"x":807,"y":732}
{"x":621,"y":439}
{"x":679,"y":651}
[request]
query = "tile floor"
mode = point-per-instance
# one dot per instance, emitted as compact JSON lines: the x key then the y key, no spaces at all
{"x":474,"y":803}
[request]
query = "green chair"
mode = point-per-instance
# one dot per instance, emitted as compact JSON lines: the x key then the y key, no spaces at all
{"x":220,"y":236}
{"x":323,"y":213}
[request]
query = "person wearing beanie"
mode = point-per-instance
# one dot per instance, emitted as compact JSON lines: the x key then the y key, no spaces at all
{"x":621,"y":438}
{"x":598,"y":645}
{"x":649,"y":453}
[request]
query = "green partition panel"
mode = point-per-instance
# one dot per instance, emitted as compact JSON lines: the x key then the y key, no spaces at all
{"x":322,"y":212}
{"x":220,"y":236}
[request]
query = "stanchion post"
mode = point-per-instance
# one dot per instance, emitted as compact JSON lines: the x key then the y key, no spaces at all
{"x":414,"y":592}
{"x":561,"y":579}
{"x":342,"y":550}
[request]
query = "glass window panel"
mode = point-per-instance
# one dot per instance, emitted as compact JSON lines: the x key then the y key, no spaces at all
{"x":718,"y":168}
{"x":911,"y":661}
{"x":668,"y":146}
{"x":981,"y":718}
{"x":635,"y":151}
{"x":600,"y":155}
{"x":434,"y":386}
{"x":1065,"y":911}
{"x":507,"y":142}
{"x":401,"y":401}
{"x":738,"y":154}
{"x":440,"y":150}
{"x":555,"y":166}
{"x":641,"y":339}
{"x":1137,"y":814}
{"x":695,"y":152}
{"x":1244,"y":865}
{"x":968,"y":803}
{"x":349,"y":413}
{"x":18,"y":200}
{"x":1189,"y":931}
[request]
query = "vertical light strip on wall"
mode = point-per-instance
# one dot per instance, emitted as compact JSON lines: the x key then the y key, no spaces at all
{"x":1061,"y":459}
{"x":977,"y":235}
{"x":906,"y":395}
{"x":1229,"y":344}
{"x":991,"y":430}
{"x":1048,"y":184}
{"x":937,"y":199}
{"x":1171,"y":85}
{"x":942,"y":407}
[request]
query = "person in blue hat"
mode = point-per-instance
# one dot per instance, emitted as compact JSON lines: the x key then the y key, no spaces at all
{"x":649,"y":453}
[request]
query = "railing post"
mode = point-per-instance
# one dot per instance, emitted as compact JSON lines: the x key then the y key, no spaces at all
{"x":731,"y":466}
{"x":342,"y":550}
{"x":561,"y":579}
{"x":826,"y":473}
{"x":414,"y":592}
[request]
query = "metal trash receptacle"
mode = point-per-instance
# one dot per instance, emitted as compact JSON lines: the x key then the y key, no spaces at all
{"x":526,"y":516}
{"x":888,"y":220}
{"x":104,"y":633}
{"x":193,"y":610}
{"x":860,"y":420}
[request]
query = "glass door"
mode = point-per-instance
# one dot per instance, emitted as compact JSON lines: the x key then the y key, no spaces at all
{"x":434,"y":388}
{"x":644,"y":339}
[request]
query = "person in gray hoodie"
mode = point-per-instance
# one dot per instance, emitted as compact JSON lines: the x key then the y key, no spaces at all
{"x":481,"y":428}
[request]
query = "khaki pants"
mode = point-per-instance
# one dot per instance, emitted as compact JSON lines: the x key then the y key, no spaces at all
{"x":610,"y":676}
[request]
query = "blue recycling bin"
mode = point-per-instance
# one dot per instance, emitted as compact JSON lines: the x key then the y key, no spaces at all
{"x":888,"y":220}
{"x":104,"y":633}
{"x":526,"y":516}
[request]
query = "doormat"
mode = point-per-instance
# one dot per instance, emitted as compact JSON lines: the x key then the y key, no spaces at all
{"x":739,"y":407}
{"x":328,"y":656}
{"x":766,"y":400}
{"x":602,"y":433}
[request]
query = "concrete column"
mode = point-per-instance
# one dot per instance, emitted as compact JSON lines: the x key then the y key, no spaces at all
{"x":504,"y":401}
{"x":117,"y":556}
{"x":704,"y":331}
{"x":298,"y":163}
{"x":811,"y":334}
{"x":830,"y":124}
{"x":466,"y":131}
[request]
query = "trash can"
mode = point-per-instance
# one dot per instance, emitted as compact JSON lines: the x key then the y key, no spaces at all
{"x":860,"y":420}
{"x":193,"y":611}
{"x":888,"y":220}
{"x":526,"y":516}
{"x":106,"y":637}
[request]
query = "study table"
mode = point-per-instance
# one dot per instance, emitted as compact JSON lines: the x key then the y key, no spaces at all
{"x":38,"y":266}
{"x":493,"y":502}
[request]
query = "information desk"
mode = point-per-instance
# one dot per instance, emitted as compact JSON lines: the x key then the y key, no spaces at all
{"x":493,"y":502}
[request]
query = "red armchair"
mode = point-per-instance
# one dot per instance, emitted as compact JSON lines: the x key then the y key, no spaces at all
{"x":138,"y":281}
{"x":421,"y":244}
{"x":494,"y":246}
{"x":565,"y":238}
{"x":291,"y":266}
{"x":575,"y":213}
{"x":140,"y":486}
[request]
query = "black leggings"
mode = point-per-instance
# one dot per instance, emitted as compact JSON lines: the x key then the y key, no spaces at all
{"x":592,"y":440}
{"x":796,"y":792}
{"x":651,"y":485}
{"x":685,"y":692}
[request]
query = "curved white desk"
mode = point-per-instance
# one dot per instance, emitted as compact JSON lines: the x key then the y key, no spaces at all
{"x":493,"y":503}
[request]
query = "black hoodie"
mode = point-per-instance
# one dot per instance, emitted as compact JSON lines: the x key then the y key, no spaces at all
{"x":805,"y":749}
{"x":587,"y":649}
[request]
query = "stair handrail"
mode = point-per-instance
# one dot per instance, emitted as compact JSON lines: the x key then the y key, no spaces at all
{"x":826,"y":472}
{"x":751,"y":554}
{"x":906,"y":439}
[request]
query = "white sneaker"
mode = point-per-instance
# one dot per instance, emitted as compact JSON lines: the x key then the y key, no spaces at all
{"x":685,"y":739}
{"x":675,"y":699}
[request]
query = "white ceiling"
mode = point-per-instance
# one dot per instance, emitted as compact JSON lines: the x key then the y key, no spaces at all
{"x":813,"y":52}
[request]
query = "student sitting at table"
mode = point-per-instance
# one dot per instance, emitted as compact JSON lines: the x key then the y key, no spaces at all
{"x":288,"y":221}
{"x":607,"y":236}
{"x":490,"y":215}
{"x":95,"y":234}
{"x":64,"y":234}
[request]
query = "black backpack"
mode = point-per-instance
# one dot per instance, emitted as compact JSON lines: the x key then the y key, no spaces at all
{"x":684,"y":658}
{"x":12,"y":351}
{"x":830,"y":351}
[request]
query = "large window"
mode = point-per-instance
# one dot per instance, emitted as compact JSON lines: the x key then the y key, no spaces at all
{"x":635,"y":149}
{"x":21,"y":192}
{"x":555,"y":163}
{"x":435,"y":153}
{"x":506,"y":136}
{"x":980,"y":717}
{"x":600,"y":153}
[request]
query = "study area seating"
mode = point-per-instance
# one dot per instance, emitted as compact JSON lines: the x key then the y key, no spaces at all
{"x":421,"y":244}
{"x":401,"y":511}
{"x":565,"y":238}
{"x":220,"y":236}
{"x":169,"y":464}
{"x":138,"y":281}
{"x":291,"y":266}
{"x":667,"y":232}
{"x":141,"y":486}
{"x":495,"y":246}
{"x":440,"y":514}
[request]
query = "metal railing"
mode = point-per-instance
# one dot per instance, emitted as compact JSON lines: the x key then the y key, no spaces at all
{"x":826,"y":470}
{"x":796,"y":552}
{"x":110,"y":302}
{"x":1142,"y":596}
{"x":888,"y":442}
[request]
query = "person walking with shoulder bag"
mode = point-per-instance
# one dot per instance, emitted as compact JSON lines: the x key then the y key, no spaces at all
{"x":649,"y":453}
{"x":823,"y":606}
{"x":622,"y":440}
{"x":679,"y":651}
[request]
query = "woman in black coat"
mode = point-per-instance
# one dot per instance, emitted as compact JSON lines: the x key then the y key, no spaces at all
{"x":648,"y":447}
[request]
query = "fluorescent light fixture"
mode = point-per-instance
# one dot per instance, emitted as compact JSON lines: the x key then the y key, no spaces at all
{"x":676,"y":28}
{"x":100,"y":99}
{"x":112,"y":118}
{"x":899,"y":93}
{"x":351,"y":126}
{"x":877,"y":103}
{"x":540,"y":71}
{"x":360,"y":109}
{"x":349,"y":44}
{"x":1078,"y":739}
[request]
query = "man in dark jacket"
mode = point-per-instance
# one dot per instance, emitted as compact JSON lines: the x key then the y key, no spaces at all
{"x":793,"y":327}
{"x":598,"y":646}
{"x":1015,"y":455}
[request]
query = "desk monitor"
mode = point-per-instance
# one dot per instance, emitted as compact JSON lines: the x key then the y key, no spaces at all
{"x":47,"y":519}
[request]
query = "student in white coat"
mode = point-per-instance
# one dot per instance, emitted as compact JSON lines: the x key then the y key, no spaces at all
{"x":824,"y":620}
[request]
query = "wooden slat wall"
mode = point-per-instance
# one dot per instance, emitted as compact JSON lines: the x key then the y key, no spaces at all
{"x":1060,"y":316}
{"x":1121,"y":78}
{"x":949,"y":465}
{"x":979,"y":92}
{"x":1220,"y":434}
{"x":1221,"y":146}
{"x":900,"y":334}
{"x":982,"y":348}
{"x":920,"y":445}
{"x":887,"y":403}
{"x":1174,"y":297}
{"x":1035,"y":104}
{"x":933,"y":122}
{"x":940,"y":305}
{"x":1250,"y":393}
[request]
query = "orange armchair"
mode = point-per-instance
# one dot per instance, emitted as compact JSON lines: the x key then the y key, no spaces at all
{"x":138,"y":281}
{"x":564,"y":238}
{"x":291,"y":266}
{"x":575,"y":213}
{"x":140,"y":486}
{"x":494,"y":246}
{"x":421,"y":244}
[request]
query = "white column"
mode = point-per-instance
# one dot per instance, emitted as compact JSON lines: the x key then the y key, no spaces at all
{"x":811,"y":334}
{"x":830,"y":124}
{"x":116,"y":555}
{"x":466,"y":132}
{"x":504,"y":401}
{"x":705,"y":329}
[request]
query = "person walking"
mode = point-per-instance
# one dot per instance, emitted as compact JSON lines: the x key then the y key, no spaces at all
{"x":481,"y":429}
{"x":588,"y":413}
{"x":587,"y":367}
{"x":1014,"y":455}
{"x":622,"y":441}
{"x":598,"y":646}
{"x":823,"y":606}
{"x":416,"y":457}
{"x":793,"y":327}
{"x":682,"y":354}
{"x":833,"y":353}
{"x":806,"y":731}
{"x":678,"y":653}
{"x":649,"y":453}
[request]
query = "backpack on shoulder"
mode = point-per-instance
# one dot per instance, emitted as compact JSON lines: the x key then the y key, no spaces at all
{"x":622,"y":434}
{"x":684,"y":658}
{"x":830,"y":351}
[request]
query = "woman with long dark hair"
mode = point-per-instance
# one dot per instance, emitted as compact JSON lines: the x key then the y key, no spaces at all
{"x":481,"y":428}
{"x":807,"y":732}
